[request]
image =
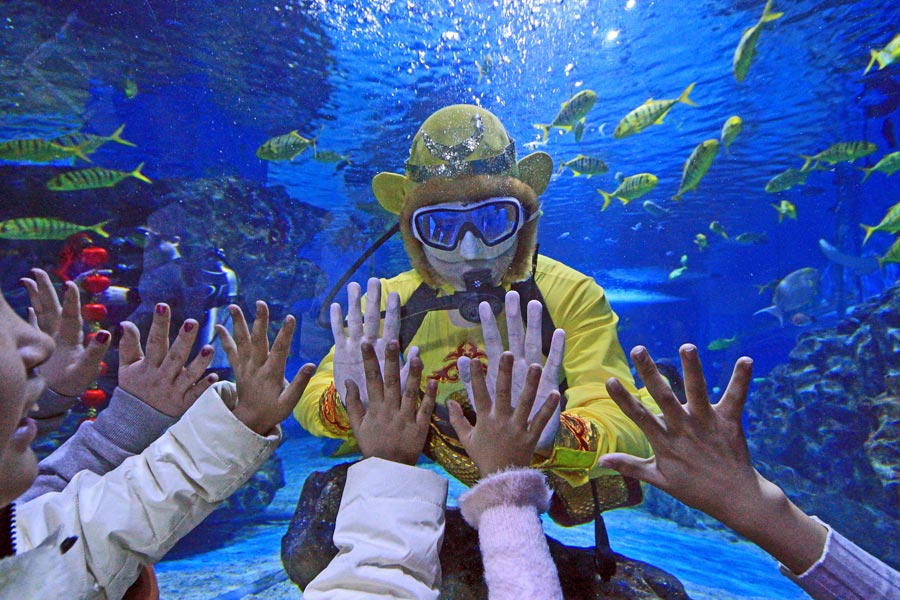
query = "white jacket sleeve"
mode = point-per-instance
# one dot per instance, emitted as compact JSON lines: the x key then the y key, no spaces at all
{"x":134,"y":514}
{"x":388,"y":532}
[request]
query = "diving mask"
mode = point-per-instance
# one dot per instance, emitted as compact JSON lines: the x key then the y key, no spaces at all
{"x":493,"y":221}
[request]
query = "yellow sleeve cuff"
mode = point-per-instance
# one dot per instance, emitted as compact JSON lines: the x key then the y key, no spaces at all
{"x":334,"y":415}
{"x":575,"y":452}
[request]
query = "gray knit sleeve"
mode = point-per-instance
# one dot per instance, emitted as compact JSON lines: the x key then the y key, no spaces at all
{"x":847,"y":572}
{"x":125,"y":428}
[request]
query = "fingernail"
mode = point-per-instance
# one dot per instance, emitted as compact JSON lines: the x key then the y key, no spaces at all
{"x":206,"y":352}
{"x":188,"y":326}
{"x":102,"y":337}
{"x":160,"y":309}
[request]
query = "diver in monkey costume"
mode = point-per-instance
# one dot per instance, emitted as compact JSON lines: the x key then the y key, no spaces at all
{"x":468,"y":215}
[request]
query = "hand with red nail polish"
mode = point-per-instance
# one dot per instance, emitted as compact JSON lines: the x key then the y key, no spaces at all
{"x":72,"y":367}
{"x":159,"y":376}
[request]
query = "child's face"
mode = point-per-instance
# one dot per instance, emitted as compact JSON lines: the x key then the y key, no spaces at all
{"x":22,"y":348}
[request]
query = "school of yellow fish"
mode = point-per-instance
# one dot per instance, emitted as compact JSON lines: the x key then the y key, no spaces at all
{"x":571,"y":117}
{"x":573,"y":113}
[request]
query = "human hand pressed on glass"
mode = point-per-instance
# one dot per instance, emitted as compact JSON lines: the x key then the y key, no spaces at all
{"x":72,"y":367}
{"x":701,"y":458}
{"x":505,"y":433}
{"x":264,"y":400}
{"x":394,"y":425}
{"x":160,"y":376}
{"x":526,"y":346}
{"x":700,"y":452}
{"x":348,"y":361}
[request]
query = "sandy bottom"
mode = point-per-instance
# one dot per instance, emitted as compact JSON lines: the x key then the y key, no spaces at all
{"x":711,"y":565}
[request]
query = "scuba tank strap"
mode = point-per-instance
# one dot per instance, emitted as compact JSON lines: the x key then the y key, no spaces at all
{"x":413,"y":313}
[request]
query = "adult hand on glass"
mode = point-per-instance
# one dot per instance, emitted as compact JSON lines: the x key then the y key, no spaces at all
{"x":72,"y":367}
{"x":348,"y":361}
{"x":394,"y":425}
{"x":526,"y":346}
{"x":160,"y":377}
{"x":505,"y":433}
{"x":701,"y":455}
{"x":264,"y":400}
{"x":701,"y":458}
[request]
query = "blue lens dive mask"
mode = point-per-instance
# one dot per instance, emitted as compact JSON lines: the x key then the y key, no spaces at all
{"x":493,"y":221}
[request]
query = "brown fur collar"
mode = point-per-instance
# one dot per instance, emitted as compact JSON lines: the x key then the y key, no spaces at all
{"x":470,"y":189}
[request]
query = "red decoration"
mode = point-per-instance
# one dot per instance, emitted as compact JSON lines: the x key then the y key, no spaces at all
{"x":94,"y":257}
{"x":93,"y":398}
{"x":94,"y":312}
{"x":95,"y":284}
{"x":103,"y":367}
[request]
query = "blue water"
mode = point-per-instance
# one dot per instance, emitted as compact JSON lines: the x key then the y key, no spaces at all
{"x":216,"y":80}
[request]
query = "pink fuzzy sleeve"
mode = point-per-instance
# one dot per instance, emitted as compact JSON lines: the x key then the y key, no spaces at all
{"x":505,"y":509}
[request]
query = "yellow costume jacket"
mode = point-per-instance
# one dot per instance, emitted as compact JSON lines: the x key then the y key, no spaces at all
{"x":591,"y":423}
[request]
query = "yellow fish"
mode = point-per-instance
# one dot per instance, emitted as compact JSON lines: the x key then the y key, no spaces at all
{"x":630,"y":188}
{"x":890,"y":223}
{"x":330,"y":156}
{"x":730,"y":130}
{"x":91,"y":179}
{"x":752,"y":237}
{"x":717,"y":227}
{"x":285,"y":147}
{"x":785,"y":209}
{"x":700,"y":240}
{"x":131,"y":88}
{"x":649,"y":113}
{"x":45,"y":228}
{"x":486,"y":68}
{"x":38,"y":150}
{"x":585,"y":165}
{"x":786,"y":180}
{"x":655,"y":209}
{"x":698,"y":163}
{"x":676,"y":273}
{"x":746,"y":48}
{"x":886,"y":56}
{"x":889,"y":164}
{"x":89,"y":143}
{"x":840,"y":152}
{"x":722,"y":343}
{"x":572,"y":112}
{"x":892,"y":255}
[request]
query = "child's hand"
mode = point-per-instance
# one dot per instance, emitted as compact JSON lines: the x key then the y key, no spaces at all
{"x":160,"y":378}
{"x":503,"y":435}
{"x":700,"y":454}
{"x":525,"y":344}
{"x":263,"y":399}
{"x":72,"y":367}
{"x":393,"y":426}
